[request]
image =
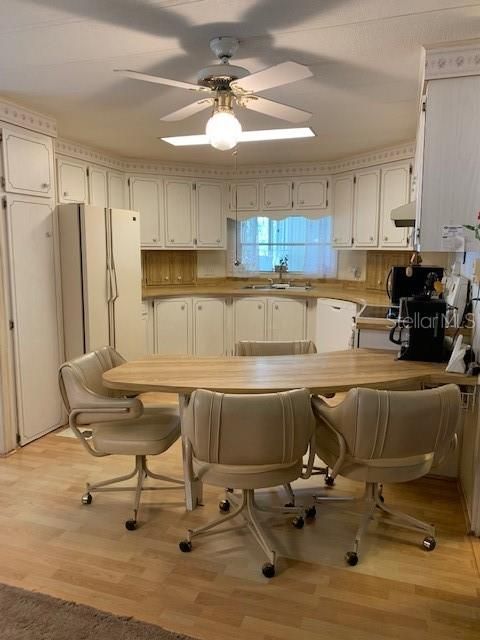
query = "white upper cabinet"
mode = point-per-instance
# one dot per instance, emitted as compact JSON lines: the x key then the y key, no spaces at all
{"x":210,"y":216}
{"x":179,"y":218}
{"x":117,"y":193}
{"x":146,"y":197}
{"x":249,"y":319}
{"x":173,"y":326}
{"x":277,"y":196}
{"x":72,"y":181}
{"x":247,"y":194}
{"x":28,"y":162}
{"x":287,"y":319}
{"x":209,"y":327}
{"x":366,"y":207}
{"x":450,"y":185}
{"x":342,"y":188}
{"x":97,"y":186}
{"x":310,"y":193}
{"x":394,"y":192}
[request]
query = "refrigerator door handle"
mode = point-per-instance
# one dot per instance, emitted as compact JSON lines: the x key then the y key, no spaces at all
{"x":115,"y":282}
{"x":109,"y":285}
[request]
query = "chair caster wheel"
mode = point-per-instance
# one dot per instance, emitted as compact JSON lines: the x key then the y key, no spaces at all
{"x":429,"y":543}
{"x":381,"y":498}
{"x":351,"y":558}
{"x":87,"y":498}
{"x":268,"y":570}
{"x":289,"y":505}
{"x":224,"y":506}
{"x":185,"y":546}
{"x":298,"y":522}
{"x":310,"y":513}
{"x":329,"y":481}
{"x":131,"y":525}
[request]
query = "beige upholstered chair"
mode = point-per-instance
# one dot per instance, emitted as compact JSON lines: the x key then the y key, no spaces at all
{"x":274,"y":348}
{"x":249,"y":442}
{"x":282,"y":348}
{"x":108,"y":423}
{"x":387,"y":436}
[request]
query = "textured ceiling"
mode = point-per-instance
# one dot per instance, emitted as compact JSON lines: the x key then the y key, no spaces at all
{"x":57,"y":56}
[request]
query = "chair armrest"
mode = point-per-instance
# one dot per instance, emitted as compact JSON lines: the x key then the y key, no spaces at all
{"x":93,"y":408}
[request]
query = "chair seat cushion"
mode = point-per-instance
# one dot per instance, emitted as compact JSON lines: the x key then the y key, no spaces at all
{"x":149,"y":435}
{"x":247,"y":476}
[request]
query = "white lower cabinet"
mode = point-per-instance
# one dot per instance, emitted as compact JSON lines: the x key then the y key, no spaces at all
{"x":209,"y":327}
{"x":334,"y":324}
{"x":249,"y":319}
{"x":173,"y":326}
{"x":287,"y":319}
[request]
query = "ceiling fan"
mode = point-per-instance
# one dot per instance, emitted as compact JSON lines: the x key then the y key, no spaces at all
{"x":224,"y":85}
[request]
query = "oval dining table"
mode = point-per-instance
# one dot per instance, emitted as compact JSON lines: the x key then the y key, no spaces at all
{"x":323,"y":373}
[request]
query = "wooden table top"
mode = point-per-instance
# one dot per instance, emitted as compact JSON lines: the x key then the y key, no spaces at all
{"x":320,"y":373}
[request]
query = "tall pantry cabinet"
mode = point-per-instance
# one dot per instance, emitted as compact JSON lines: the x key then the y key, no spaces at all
{"x":30,"y":324}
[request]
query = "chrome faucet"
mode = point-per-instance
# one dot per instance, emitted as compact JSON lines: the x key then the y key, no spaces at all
{"x":281,"y":268}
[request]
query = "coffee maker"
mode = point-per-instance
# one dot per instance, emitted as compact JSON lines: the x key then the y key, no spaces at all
{"x":420,"y":328}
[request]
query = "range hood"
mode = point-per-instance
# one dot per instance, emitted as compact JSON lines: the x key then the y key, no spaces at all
{"x":404,"y":216}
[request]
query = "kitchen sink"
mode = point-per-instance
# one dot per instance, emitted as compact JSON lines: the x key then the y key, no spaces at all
{"x":278,"y":287}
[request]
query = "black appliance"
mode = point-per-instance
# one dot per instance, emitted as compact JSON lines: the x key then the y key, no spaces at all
{"x":420,"y":329}
{"x":404,"y":282}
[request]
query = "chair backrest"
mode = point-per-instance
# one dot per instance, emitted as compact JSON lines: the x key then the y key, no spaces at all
{"x":394,"y":424}
{"x":82,"y":377}
{"x":253,"y":429}
{"x":274,"y":348}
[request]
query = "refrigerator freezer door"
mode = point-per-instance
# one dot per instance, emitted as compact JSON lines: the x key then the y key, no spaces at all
{"x":128,"y":334}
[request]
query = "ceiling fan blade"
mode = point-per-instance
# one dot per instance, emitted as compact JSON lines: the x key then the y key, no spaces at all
{"x":282,"y":73}
{"x":275,"y":109}
{"x":189,"y":110}
{"x":147,"y":77}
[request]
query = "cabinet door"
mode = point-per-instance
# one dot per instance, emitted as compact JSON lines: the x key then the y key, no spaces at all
{"x":28,"y":162}
{"x":97,"y":187}
{"x":287,"y":319}
{"x":247,"y":196}
{"x":36,"y":324}
{"x":179,"y":227}
{"x":334,"y":325}
{"x":249,"y":319}
{"x":310,"y":193}
{"x":209,"y":327}
{"x":210,"y":215}
{"x":173,"y":326}
{"x":366,"y":206}
{"x":277,"y":195}
{"x":72,"y":181}
{"x":117,"y":196}
{"x":146,"y":197}
{"x":342,"y":211}
{"x":394,"y":192}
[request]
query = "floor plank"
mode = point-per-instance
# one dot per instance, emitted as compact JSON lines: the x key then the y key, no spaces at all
{"x":50,"y":542}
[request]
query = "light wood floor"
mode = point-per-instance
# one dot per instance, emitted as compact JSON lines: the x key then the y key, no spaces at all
{"x":51,"y":543}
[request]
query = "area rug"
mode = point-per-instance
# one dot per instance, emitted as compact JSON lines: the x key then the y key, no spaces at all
{"x":27,"y":615}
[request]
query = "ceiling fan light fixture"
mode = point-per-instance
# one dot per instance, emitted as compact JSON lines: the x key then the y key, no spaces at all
{"x":223,"y":130}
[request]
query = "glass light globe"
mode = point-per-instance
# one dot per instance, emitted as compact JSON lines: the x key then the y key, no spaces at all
{"x":223,"y":130}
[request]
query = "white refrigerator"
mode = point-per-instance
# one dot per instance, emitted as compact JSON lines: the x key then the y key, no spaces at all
{"x":101,"y":279}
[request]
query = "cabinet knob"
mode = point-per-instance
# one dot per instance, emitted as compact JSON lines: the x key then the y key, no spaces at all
{"x":259,"y":306}
{"x":268,"y":202}
{"x":182,"y":307}
{"x":199,"y":307}
{"x":172,"y":239}
{"x":166,"y":278}
{"x":179,"y":277}
{"x":371,"y":238}
{"x":385,"y":238}
{"x":302,"y":201}
{"x":251,"y":203}
{"x":218,"y":240}
{"x":154,"y":239}
{"x":65,"y":194}
{"x":48,"y":234}
{"x":276,"y":307}
{"x":45,"y":185}
{"x":335,"y":239}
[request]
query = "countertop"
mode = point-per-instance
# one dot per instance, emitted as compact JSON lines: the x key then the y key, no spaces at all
{"x":338,"y":290}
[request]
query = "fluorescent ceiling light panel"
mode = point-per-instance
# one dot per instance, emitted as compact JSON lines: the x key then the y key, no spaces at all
{"x":246,"y":136}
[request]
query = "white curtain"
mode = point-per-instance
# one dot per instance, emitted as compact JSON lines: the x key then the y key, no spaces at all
{"x":263,"y":241}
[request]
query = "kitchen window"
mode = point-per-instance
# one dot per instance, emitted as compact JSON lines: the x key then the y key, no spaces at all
{"x":263,"y":241}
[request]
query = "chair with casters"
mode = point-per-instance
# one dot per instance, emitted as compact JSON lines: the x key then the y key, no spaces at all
{"x":249,"y":442}
{"x":283,"y":348}
{"x":109,"y":423}
{"x":378,"y":437}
